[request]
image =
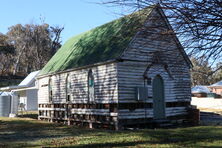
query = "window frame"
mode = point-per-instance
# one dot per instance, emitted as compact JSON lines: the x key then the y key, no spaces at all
{"x":91,"y":86}
{"x":68,"y":88}
{"x":50,"y":91}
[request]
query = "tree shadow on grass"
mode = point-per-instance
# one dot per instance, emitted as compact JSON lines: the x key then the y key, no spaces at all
{"x":13,"y":131}
{"x":29,"y":115}
{"x":21,"y":132}
{"x":186,"y":136}
{"x":18,"y":130}
{"x":191,"y":136}
{"x":110,"y":144}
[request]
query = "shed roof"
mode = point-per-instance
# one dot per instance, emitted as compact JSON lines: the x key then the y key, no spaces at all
{"x":29,"y":79}
{"x":5,"y":93}
{"x":217,"y":84}
{"x":200,"y":89}
{"x":103,"y":43}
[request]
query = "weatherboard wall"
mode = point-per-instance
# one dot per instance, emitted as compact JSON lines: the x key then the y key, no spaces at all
{"x":105,"y":77}
{"x":79,"y":109}
{"x":153,"y":53}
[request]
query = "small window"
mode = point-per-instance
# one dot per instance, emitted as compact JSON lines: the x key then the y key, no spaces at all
{"x":149,"y":80}
{"x":68,"y":88}
{"x":68,"y":97}
{"x":91,"y":82}
{"x":50,"y":90}
{"x":90,"y":86}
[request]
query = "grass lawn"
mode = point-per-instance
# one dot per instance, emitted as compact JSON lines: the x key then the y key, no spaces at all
{"x":27,"y":132}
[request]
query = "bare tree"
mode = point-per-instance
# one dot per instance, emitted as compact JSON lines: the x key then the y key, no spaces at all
{"x":218,"y":74}
{"x":17,"y":38}
{"x":6,"y":55}
{"x":56,"y":42}
{"x":200,"y":74}
{"x":197,"y":23}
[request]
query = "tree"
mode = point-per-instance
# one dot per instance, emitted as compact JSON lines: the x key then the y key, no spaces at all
{"x":56,"y":43}
{"x":200,"y":74}
{"x":197,"y":23}
{"x":7,"y":52}
{"x":217,"y":76}
{"x":34,"y":45}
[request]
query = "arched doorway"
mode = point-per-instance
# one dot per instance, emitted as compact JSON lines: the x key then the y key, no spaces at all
{"x":158,"y":98}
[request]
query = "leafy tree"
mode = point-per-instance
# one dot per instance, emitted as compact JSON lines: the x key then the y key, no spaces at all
{"x":201,"y":72}
{"x":34,"y":45}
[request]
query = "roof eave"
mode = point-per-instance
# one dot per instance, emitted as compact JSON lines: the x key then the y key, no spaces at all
{"x":9,"y":88}
{"x":77,"y":68}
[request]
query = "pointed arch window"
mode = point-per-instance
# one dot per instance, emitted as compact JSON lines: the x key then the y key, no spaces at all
{"x":68,"y":88}
{"x":50,"y":89}
{"x":91,"y":85}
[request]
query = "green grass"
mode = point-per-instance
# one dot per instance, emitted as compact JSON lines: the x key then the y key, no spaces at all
{"x":28,"y":114}
{"x":26,"y":132}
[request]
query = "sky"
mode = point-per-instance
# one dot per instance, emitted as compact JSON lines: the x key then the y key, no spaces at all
{"x":76,"y":16}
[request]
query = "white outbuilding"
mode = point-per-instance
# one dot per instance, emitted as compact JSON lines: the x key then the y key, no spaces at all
{"x":8,"y":104}
{"x":26,"y":92}
{"x":200,"y":89}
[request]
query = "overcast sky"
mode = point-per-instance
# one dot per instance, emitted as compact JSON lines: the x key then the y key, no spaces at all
{"x":75,"y":15}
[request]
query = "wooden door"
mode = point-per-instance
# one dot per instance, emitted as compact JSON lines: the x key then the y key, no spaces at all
{"x":158,"y":98}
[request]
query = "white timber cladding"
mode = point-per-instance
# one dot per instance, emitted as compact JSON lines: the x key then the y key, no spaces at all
{"x":148,"y":113}
{"x":105,"y":79}
{"x":32,"y":100}
{"x":151,"y":52}
{"x":43,"y":91}
{"x":140,"y":55}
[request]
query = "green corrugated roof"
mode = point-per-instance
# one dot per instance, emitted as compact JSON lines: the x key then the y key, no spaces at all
{"x":100,"y":44}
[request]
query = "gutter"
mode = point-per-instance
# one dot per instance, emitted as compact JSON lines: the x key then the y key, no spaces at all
{"x":25,"y":88}
{"x":9,"y":88}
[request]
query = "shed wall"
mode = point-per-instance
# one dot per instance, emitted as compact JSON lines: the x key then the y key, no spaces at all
{"x":32,"y":100}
